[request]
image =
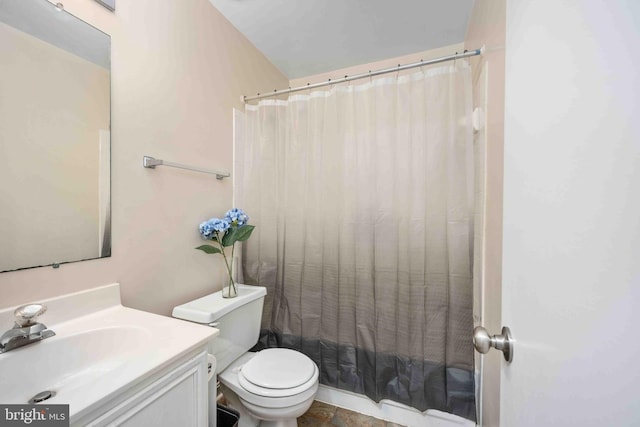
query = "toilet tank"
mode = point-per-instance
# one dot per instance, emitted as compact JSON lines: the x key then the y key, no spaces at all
{"x":238,"y":320}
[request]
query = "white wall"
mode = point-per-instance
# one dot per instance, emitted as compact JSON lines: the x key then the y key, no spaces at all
{"x":571,"y":276}
{"x":178,"y":69}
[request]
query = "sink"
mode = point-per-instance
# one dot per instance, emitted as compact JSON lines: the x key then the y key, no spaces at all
{"x":66,"y":363}
{"x":100,"y":349}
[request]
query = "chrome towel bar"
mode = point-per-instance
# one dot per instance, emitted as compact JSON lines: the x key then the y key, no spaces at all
{"x":151,"y":163}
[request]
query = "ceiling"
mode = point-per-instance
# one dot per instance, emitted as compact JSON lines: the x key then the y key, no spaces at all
{"x":307,"y":37}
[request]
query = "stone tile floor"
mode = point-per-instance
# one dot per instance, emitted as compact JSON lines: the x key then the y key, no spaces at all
{"x":325,"y":415}
{"x":322,"y":414}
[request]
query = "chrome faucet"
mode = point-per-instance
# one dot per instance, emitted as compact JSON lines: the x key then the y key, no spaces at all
{"x":26,"y":330}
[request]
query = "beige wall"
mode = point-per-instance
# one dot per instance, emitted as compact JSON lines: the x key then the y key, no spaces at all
{"x":487,"y":28}
{"x":178,"y":69}
{"x":49,"y":137}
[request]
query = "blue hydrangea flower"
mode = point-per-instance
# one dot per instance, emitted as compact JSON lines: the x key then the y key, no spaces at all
{"x":220,"y":225}
{"x":206,"y":230}
{"x":236,"y":216}
{"x":212,"y":226}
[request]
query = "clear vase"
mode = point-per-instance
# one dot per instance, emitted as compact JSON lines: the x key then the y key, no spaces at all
{"x":230,"y":290}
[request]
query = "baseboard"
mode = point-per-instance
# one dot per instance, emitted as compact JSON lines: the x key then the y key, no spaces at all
{"x":389,"y":410}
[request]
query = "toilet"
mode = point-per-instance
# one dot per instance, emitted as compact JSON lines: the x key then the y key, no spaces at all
{"x":269,"y":388}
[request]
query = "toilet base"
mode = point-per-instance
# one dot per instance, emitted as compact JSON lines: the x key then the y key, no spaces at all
{"x":282,"y":423}
{"x":247,"y":418}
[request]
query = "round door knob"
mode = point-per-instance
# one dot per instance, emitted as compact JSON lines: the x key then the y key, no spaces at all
{"x":483,"y":342}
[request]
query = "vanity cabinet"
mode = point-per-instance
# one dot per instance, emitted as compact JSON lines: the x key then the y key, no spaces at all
{"x":177,"y":396}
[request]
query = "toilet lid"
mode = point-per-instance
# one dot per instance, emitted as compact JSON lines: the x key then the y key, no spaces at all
{"x":278,"y":368}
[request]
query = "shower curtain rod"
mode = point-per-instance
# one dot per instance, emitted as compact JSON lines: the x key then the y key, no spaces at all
{"x":465,"y":54}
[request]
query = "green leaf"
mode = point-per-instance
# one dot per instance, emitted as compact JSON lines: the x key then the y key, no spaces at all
{"x":229,"y":237}
{"x":244,"y":232}
{"x":237,"y":234}
{"x":209,"y":249}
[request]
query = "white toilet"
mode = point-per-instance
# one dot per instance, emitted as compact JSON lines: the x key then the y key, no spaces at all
{"x":270,"y":388}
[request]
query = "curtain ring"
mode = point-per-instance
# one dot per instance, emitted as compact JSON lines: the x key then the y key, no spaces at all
{"x":398,"y":72}
{"x":370,"y":77}
{"x":464,"y":60}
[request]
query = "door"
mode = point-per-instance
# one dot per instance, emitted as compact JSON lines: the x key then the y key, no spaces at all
{"x":571,"y":245}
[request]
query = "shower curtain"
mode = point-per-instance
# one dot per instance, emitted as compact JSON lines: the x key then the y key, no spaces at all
{"x":362,"y":198}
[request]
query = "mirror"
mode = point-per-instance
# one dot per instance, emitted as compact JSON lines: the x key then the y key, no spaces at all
{"x":54,"y":137}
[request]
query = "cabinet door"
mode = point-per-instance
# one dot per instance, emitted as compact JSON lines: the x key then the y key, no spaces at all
{"x":176,"y":399}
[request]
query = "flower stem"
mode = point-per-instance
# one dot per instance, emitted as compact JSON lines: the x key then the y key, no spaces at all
{"x":229,"y":266}
{"x":225,"y":260}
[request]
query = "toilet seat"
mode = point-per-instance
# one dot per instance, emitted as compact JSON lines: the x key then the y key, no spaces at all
{"x":278,"y":372}
{"x":278,"y":368}
{"x":252,"y":396}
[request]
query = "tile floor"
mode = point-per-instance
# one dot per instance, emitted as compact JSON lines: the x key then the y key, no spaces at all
{"x":322,"y":414}
{"x":325,"y":415}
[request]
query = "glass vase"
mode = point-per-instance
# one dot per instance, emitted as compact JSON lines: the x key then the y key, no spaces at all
{"x":230,"y":290}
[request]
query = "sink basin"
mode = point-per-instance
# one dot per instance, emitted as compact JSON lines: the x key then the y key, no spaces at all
{"x":100,"y":350}
{"x":66,"y":363}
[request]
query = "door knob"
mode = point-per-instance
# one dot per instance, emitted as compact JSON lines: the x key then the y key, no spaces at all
{"x":483,"y":342}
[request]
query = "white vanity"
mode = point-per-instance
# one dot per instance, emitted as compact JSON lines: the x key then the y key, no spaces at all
{"x":113,"y":365}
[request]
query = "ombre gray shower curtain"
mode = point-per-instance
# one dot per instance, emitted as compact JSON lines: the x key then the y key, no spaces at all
{"x":362,"y":198}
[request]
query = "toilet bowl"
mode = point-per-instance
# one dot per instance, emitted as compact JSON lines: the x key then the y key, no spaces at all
{"x":270,"y":388}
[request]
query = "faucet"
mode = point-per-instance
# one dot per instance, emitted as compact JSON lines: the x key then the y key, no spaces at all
{"x":26,"y":330}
